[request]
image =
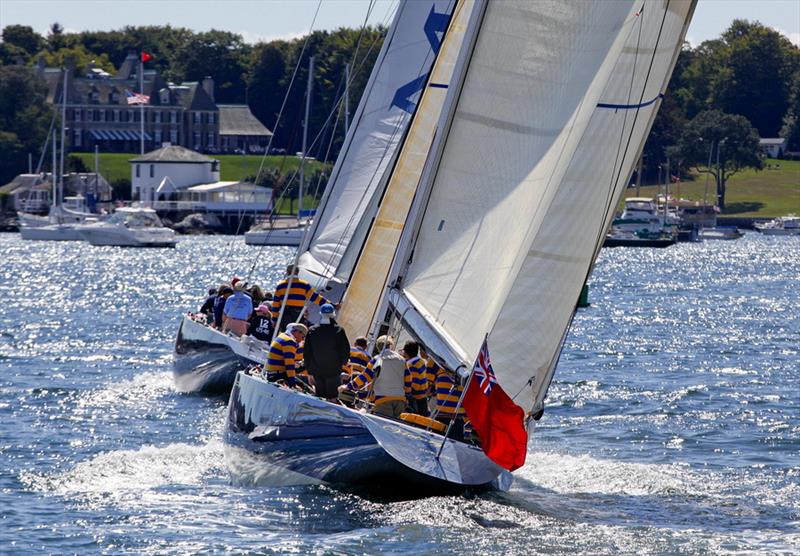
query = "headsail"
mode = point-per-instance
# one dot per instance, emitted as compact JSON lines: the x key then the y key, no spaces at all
{"x":374,"y":262}
{"x":380,"y":123}
{"x":508,"y":232}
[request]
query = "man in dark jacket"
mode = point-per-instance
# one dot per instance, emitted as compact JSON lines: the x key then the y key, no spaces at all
{"x":326,"y":351}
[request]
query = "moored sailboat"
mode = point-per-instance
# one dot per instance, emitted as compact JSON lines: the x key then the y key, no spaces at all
{"x":474,"y":241}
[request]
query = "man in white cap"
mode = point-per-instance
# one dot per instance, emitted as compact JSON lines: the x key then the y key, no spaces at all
{"x":326,"y":351}
{"x":282,"y":354}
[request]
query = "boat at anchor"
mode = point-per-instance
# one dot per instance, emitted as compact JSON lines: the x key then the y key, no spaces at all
{"x":471,"y":240}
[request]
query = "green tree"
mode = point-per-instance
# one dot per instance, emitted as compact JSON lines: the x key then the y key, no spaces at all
{"x":267,"y":74}
{"x":791,"y":122}
{"x":56,"y":38}
{"x":713,"y":133}
{"x":81,"y":57}
{"x":750,"y":74}
{"x":219,"y":54}
{"x":23,"y":37}
{"x":24,"y":118}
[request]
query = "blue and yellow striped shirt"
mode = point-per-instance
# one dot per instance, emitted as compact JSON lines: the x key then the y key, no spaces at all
{"x":448,"y":392}
{"x":419,"y":377}
{"x":297,"y":296}
{"x":358,"y":361}
{"x":281,"y":359}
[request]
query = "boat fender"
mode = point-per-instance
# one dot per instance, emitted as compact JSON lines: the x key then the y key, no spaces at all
{"x":425,"y":422}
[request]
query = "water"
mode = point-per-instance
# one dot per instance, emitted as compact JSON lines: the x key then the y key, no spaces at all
{"x":672,"y":425}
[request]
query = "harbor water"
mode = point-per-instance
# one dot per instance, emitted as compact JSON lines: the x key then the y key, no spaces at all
{"x":672,"y":426}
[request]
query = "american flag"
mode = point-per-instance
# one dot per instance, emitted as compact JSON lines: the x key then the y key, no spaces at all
{"x":483,"y":371}
{"x":137,"y":98}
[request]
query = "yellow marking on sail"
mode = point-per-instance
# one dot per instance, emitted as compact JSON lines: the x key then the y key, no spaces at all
{"x":371,"y":272}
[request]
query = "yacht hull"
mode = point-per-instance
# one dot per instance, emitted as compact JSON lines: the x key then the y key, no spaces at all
{"x":111,"y":236}
{"x":50,"y":233}
{"x":278,"y":236}
{"x":636,"y":242}
{"x":206,"y":360}
{"x":308,"y":437}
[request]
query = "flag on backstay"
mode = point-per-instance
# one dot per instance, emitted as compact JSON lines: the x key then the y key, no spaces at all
{"x":499,"y":422}
{"x":137,"y":98}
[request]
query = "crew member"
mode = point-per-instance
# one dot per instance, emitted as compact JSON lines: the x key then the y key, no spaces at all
{"x":261,"y":323}
{"x":358,"y":360}
{"x":388,"y":377}
{"x":238,"y":308}
{"x":225,"y":291}
{"x":448,"y":391}
{"x":296,"y":297}
{"x":326,"y":351}
{"x":417,"y":369}
{"x":283,"y":353}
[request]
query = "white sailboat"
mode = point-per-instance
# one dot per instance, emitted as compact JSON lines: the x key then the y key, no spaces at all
{"x":207,"y":360}
{"x":61,"y":224}
{"x":130,"y":227}
{"x":487,"y":232}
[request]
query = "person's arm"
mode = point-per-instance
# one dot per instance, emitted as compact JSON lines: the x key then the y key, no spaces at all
{"x":288,"y":362}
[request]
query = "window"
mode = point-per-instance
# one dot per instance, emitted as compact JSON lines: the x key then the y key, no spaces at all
{"x":152,"y":170}
{"x":138,"y":170}
{"x":77,"y":142}
{"x":196,"y":117}
{"x":210,"y":140}
{"x":173,"y":136}
{"x":164,"y":94}
{"x":173,"y":117}
{"x":157,"y":136}
{"x":212,"y":118}
{"x":196,"y":136}
{"x":76,"y":114}
{"x":89,"y":115}
{"x":157,"y":117}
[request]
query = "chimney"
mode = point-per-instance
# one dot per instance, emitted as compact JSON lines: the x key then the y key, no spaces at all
{"x":208,"y":87}
{"x":40,"y":65}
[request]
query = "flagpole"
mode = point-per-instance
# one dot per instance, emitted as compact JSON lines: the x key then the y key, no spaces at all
{"x":141,"y":105}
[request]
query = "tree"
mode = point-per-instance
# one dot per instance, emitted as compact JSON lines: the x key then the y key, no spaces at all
{"x":267,"y":72}
{"x":752,"y":73}
{"x":714,"y":133}
{"x":80,"y":57}
{"x":791,"y":122}
{"x":24,"y":118}
{"x":23,"y":37}
{"x":55,"y":38}
{"x":218,"y":54}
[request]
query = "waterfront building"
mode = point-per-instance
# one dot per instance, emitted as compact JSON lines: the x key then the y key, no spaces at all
{"x":186,"y":114}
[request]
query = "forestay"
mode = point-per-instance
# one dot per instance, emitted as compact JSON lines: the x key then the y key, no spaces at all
{"x":528,"y":171}
{"x":378,"y":127}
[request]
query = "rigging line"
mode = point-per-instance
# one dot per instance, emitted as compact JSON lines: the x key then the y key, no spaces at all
{"x":280,"y":113}
{"x":333,"y":111}
{"x":395,"y":131}
{"x":609,"y":198}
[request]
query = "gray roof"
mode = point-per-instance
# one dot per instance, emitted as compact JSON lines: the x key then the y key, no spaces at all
{"x":27,"y":181}
{"x":172,"y":153}
{"x":772,"y":141}
{"x":236,"y":119}
{"x":74,"y":183}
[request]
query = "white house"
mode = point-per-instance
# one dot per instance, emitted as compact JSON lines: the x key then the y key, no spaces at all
{"x":175,"y":178}
{"x":171,"y":164}
{"x":773,"y":147}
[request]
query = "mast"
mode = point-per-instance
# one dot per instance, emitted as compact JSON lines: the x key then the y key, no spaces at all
{"x":309,"y":90}
{"x":141,"y":105}
{"x":63,"y":135}
{"x":346,"y":98}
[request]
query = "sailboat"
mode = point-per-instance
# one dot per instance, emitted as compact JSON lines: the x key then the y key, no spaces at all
{"x":207,"y":360}
{"x":291,"y":235}
{"x":494,"y":210}
{"x":61,"y":224}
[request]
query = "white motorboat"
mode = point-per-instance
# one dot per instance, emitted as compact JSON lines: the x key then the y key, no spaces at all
{"x":782,"y":226}
{"x":641,"y":214}
{"x":721,"y":232}
{"x":130,"y":227}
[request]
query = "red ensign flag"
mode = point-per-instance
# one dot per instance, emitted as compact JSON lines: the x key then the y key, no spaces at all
{"x":499,"y":422}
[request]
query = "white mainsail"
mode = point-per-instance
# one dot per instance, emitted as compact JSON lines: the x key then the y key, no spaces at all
{"x":380,"y":122}
{"x":509,"y":231}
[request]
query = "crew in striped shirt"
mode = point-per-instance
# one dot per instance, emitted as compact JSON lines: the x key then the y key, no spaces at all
{"x":283,"y":354}
{"x":360,"y":383}
{"x":358,"y":361}
{"x":296,"y":297}
{"x":448,"y":391}
{"x":417,"y":369}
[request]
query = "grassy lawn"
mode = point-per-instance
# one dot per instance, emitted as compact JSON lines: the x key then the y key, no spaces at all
{"x":766,"y":193}
{"x":233,"y":167}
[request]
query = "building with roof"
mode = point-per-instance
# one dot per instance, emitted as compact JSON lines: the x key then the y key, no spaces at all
{"x":772,"y":147}
{"x":99,"y":113}
{"x":174,"y":180}
{"x":33,"y":192}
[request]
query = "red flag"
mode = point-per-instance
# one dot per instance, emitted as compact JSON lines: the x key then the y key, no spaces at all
{"x":499,"y":422}
{"x":145,"y":56}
